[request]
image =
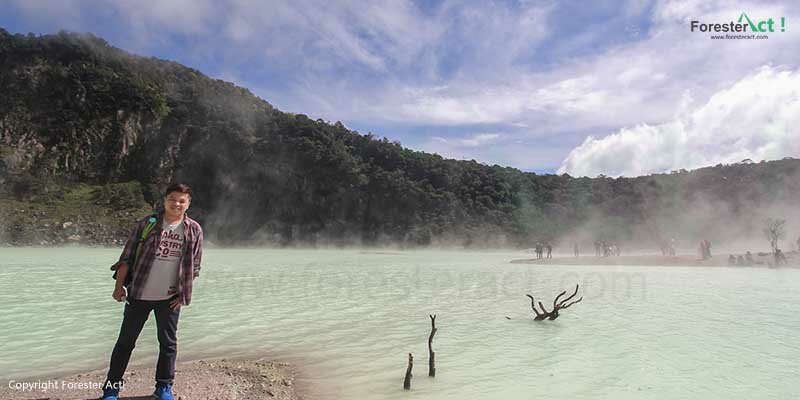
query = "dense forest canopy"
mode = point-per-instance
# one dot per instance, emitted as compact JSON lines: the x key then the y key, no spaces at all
{"x":77,"y":111}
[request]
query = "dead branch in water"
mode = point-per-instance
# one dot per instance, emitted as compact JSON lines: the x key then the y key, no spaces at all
{"x":558,"y":305}
{"x":407,"y":381}
{"x":538,"y":316}
{"x":431,"y":362}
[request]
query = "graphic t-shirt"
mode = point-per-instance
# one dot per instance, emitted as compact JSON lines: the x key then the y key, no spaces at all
{"x":162,"y":282}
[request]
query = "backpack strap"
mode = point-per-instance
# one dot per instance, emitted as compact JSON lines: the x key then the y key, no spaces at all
{"x":148,"y":227}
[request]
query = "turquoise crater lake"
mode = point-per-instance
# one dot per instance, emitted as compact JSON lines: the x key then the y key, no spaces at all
{"x":348,"y":318}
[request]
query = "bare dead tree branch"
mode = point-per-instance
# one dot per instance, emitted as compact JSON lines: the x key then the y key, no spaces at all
{"x":775,"y":230}
{"x":547,"y":313}
{"x":407,"y":381}
{"x":570,"y":296}
{"x":574,"y":302}
{"x":558,"y":305}
{"x":431,"y":359}
{"x":558,"y":297}
{"x":539,"y":316}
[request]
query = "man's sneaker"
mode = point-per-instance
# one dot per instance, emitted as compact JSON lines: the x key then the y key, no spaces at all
{"x":110,"y":394}
{"x":163,"y":392}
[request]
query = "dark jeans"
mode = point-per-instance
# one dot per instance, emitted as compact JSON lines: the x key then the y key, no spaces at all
{"x":136,"y":314}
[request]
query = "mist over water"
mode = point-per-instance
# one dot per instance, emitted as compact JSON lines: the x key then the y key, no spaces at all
{"x":347,"y":319}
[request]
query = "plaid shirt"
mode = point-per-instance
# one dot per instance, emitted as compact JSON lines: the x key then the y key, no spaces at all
{"x":188,"y":265}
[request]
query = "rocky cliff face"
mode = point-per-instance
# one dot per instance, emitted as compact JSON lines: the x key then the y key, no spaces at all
{"x":70,"y":116}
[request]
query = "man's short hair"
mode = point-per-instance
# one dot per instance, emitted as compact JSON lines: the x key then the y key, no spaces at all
{"x":178,"y":187}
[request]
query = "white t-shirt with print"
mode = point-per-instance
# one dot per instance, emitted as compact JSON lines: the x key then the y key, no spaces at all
{"x":162,"y":282}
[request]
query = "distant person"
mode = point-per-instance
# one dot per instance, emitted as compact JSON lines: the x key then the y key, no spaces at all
{"x":163,"y":270}
{"x":748,"y":257}
{"x":780,"y":258}
{"x":617,"y":251}
{"x":549,"y":248}
{"x":705,"y":249}
{"x":576,"y":250}
{"x":731,"y":260}
{"x":597,"y":251}
{"x":740,"y":260}
{"x":538,"y":250}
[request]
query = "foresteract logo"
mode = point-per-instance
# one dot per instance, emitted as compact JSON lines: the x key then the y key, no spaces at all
{"x":744,"y":24}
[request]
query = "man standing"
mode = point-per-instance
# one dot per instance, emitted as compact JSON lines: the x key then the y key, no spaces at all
{"x":705,"y":249}
{"x":163,"y":256}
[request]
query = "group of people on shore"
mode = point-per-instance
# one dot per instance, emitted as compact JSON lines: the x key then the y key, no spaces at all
{"x":746,"y":260}
{"x":539,"y":249}
{"x":601,"y":249}
{"x":605,"y":249}
{"x":668,"y":248}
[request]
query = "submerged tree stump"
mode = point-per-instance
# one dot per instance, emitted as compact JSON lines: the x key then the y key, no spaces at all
{"x":407,"y":381}
{"x":431,"y":359}
{"x":558,"y":305}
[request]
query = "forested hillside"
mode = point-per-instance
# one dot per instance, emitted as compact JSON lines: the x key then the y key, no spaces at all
{"x":89,"y":135}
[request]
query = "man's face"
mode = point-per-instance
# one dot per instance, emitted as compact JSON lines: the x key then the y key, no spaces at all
{"x":176,"y":203}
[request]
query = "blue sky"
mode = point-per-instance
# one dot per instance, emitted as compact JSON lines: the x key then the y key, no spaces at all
{"x":586,"y":88}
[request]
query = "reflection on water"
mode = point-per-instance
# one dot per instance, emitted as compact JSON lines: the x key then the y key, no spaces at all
{"x":349,"y":318}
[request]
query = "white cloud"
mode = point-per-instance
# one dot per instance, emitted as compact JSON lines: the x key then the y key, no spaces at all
{"x":463,"y":147}
{"x":462,"y":67}
{"x":480,"y":139}
{"x":624,"y":85}
{"x":312,"y":36}
{"x":497,"y":148}
{"x":642,"y":84}
{"x":757,"y":118}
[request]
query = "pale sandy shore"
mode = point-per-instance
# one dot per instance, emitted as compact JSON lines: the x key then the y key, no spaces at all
{"x":196,"y":380}
{"x":720,"y":260}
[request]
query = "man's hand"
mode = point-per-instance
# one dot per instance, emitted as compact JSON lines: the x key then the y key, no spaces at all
{"x":175,"y":304}
{"x":119,"y":289}
{"x":119,"y":293}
